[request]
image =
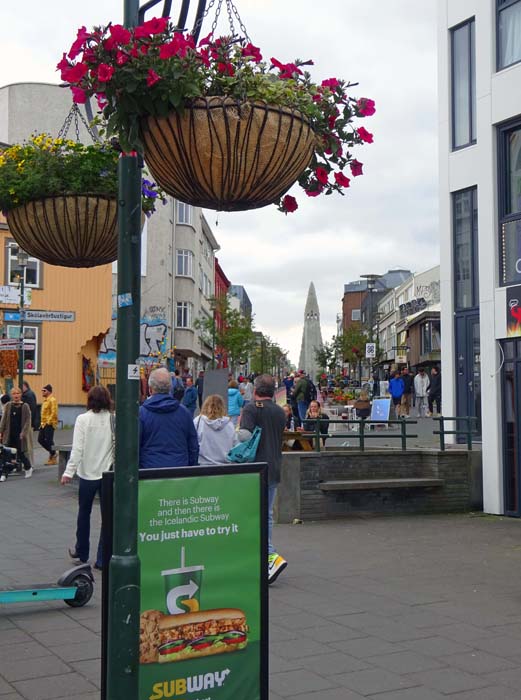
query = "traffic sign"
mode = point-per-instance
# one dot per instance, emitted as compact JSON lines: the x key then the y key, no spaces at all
{"x":370,"y":351}
{"x":67,"y":316}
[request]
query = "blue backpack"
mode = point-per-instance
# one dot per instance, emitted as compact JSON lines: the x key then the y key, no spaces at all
{"x":246,"y":451}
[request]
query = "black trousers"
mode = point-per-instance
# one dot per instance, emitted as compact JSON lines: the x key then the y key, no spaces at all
{"x":46,"y":439}
{"x":434,"y":399}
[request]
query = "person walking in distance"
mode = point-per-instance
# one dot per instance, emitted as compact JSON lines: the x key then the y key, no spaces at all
{"x":189,"y":400}
{"x":396,"y":391}
{"x":434,"y":396}
{"x":48,"y":423}
{"x":29,"y":397}
{"x":92,"y":454}
{"x":421,"y":386}
{"x":16,"y":431}
{"x":407,"y":393}
{"x":264,"y":413}
{"x":199,"y":385}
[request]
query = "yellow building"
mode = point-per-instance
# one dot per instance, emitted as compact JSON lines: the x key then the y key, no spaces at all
{"x":60,"y":353}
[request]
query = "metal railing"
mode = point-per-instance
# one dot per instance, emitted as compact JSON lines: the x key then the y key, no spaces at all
{"x":362,"y":435}
{"x":469,"y":432}
{"x":316,"y":437}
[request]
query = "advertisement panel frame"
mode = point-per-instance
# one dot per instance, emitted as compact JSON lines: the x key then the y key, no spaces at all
{"x":187,"y":472}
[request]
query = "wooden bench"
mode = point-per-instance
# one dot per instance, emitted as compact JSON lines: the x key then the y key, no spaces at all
{"x":377,"y":484}
{"x":301,"y":441}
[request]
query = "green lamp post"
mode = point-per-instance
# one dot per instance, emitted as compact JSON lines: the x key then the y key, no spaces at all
{"x":22,"y":259}
{"x":124,"y":568}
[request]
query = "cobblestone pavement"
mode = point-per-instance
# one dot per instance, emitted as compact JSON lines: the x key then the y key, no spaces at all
{"x":396,"y":608}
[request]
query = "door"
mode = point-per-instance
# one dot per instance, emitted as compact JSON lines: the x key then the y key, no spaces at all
{"x":511,"y":385}
{"x":468,"y":371}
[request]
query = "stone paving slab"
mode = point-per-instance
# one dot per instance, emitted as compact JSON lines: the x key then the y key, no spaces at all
{"x":385,"y":608}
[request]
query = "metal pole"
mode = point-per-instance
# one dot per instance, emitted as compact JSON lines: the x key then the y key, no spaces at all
{"x":124,"y":570}
{"x":21,"y":336}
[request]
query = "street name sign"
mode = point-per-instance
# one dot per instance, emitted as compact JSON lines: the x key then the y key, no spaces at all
{"x":67,"y":316}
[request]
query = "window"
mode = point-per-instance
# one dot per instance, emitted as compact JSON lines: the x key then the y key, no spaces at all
{"x":463,"y":72}
{"x":510,"y":203}
{"x":32,"y":341}
{"x":184,"y":312}
{"x":184,"y":213}
{"x":185,"y":259}
{"x":508,"y":32}
{"x":430,"y":337}
{"x":465,"y":236}
{"x":206,"y":285}
{"x":32,"y":271}
{"x":355,"y":314}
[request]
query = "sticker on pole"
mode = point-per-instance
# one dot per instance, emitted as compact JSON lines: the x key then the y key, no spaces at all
{"x":132,"y":371}
{"x":370,"y":351}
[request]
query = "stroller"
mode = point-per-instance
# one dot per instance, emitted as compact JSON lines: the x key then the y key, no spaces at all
{"x":9,"y":462}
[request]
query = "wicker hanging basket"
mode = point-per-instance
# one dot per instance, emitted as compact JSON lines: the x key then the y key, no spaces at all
{"x":72,"y":230}
{"x":228,"y":155}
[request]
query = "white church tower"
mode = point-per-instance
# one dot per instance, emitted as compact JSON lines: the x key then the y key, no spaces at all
{"x":311,"y":335}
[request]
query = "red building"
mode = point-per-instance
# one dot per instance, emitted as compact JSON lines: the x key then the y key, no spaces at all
{"x":222,"y":285}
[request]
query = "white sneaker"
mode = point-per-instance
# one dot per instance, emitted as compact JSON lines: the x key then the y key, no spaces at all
{"x":276,"y":565}
{"x":3,"y":477}
{"x":29,"y":473}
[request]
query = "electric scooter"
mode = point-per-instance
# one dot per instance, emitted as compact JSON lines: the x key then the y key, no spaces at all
{"x":75,"y":586}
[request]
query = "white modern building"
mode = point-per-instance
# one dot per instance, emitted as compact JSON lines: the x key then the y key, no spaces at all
{"x":480,"y":229}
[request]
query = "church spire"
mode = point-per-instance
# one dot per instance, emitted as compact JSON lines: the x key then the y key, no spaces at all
{"x":311,"y":335}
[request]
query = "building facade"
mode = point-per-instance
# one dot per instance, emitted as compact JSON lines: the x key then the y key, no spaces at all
{"x":480,"y":229}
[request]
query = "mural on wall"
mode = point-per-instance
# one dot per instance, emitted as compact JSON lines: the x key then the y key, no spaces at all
{"x":152,"y":339}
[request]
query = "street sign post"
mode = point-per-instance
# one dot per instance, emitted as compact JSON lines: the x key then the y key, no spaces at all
{"x":66,"y":316}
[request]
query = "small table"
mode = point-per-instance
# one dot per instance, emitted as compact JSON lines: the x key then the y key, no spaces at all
{"x":302,"y":441}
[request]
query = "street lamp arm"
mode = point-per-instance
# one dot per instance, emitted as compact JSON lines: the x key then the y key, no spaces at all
{"x":183,"y":13}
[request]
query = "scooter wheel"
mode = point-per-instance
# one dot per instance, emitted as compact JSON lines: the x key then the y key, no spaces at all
{"x":85,"y":589}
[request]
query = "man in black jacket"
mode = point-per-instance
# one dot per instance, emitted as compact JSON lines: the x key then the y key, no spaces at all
{"x":408,"y":384}
{"x":263,"y":412}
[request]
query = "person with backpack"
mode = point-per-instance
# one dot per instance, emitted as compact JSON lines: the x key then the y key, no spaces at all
{"x":178,"y":388}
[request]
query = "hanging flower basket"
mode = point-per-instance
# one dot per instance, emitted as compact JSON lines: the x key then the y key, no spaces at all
{"x":228,"y":155}
{"x":220,"y":127}
{"x":60,"y":200}
{"x":72,"y":231}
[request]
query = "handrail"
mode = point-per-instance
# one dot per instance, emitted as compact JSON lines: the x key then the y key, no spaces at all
{"x":316,"y":435}
{"x":469,"y":432}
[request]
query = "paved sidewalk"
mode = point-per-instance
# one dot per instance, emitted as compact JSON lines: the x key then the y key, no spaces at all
{"x":396,"y":608}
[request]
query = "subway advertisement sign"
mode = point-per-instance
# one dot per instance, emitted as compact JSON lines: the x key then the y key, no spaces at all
{"x":203,"y":553}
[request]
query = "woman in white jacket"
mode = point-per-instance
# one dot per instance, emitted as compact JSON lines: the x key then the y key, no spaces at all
{"x":215,"y":431}
{"x":91,"y":455}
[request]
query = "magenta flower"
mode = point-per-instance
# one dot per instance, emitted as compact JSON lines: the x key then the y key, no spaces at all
{"x":364,"y":134}
{"x":365,"y":107}
{"x":152,"y":77}
{"x":342,"y":180}
{"x":289,"y":204}
{"x":356,"y":168}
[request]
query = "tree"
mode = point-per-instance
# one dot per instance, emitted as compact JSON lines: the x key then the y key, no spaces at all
{"x":326,"y":356}
{"x":351,"y":345}
{"x":267,"y":357}
{"x":232,"y":333}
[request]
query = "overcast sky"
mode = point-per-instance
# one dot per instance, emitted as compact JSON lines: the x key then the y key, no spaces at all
{"x":389,"y":216}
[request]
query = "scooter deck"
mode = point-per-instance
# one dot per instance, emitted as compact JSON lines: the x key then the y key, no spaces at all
{"x":45,"y":591}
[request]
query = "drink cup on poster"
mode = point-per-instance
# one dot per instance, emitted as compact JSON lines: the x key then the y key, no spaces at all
{"x":183,"y":587}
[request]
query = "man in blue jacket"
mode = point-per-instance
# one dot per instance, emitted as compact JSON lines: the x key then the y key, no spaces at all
{"x":189,"y":400}
{"x":396,"y":388}
{"x":167,"y":434}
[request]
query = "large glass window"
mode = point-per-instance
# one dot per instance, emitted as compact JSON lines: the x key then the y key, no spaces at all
{"x":463,"y":69}
{"x":465,"y":235}
{"x":510,"y":203}
{"x":508,"y":32}
{"x":430,"y":337}
{"x":32,"y":271}
{"x":184,"y":313}
{"x":184,"y":213}
{"x":185,"y":259}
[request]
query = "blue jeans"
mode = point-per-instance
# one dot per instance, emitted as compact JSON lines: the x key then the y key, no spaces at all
{"x":272,"y":491}
{"x":302,"y":409}
{"x":87,"y":493}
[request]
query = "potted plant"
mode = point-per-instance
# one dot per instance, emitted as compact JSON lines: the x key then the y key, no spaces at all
{"x":219,"y":126}
{"x":60,"y":199}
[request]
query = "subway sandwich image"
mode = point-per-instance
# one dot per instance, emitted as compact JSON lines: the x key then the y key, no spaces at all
{"x":166,"y":638}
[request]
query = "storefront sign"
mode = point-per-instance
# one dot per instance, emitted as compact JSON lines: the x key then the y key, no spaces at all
{"x":203,"y":613}
{"x":10,"y":294}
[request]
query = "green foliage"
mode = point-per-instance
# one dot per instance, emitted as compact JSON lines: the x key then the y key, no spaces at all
{"x":47,"y":167}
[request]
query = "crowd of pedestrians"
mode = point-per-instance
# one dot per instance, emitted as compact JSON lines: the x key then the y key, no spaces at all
{"x":421,"y":390}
